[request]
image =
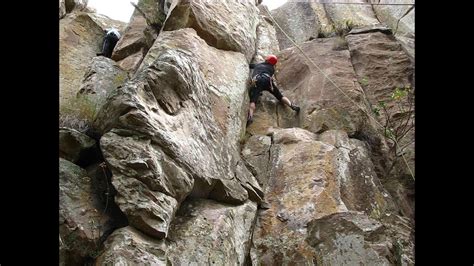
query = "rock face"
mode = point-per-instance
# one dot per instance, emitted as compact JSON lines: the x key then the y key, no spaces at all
{"x":62,"y":9}
{"x":139,"y":36}
{"x":101,"y":78}
{"x":147,"y":185}
{"x":361,"y":189}
{"x":74,"y":146}
{"x":128,"y":246}
{"x":323,"y":105}
{"x":344,"y":239}
{"x":324,"y":174}
{"x":80,"y":38}
{"x":226,"y":25}
{"x":164,"y":115}
{"x":79,"y":5}
{"x":343,"y":16}
{"x":256,"y":154}
{"x":82,"y":221}
{"x":267,"y":42}
{"x":351,"y":238}
{"x":401,"y":19}
{"x":298,"y":20}
{"x":206,"y":232}
{"x":382,"y":66}
{"x":184,"y":176}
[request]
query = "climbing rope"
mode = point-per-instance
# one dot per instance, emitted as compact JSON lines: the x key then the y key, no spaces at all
{"x":335,"y":85}
{"x":107,"y":193}
{"x":372,"y":4}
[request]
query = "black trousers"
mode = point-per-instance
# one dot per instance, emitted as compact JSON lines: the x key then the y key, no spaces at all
{"x":110,"y":40}
{"x":263,"y":83}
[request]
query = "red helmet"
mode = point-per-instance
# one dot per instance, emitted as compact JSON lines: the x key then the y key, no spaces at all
{"x":272,"y":59}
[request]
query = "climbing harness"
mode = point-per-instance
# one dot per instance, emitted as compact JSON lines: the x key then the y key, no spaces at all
{"x":262,"y":75}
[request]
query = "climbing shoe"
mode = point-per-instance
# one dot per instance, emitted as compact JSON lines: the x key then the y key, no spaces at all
{"x":295,"y":108}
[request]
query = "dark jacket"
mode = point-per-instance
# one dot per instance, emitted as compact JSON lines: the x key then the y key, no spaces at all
{"x":262,"y":68}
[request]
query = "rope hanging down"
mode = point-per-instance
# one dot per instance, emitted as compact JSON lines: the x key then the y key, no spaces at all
{"x":349,"y":3}
{"x":335,"y":85}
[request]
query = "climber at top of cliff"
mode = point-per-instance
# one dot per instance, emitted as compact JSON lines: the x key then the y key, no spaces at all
{"x":111,"y":38}
{"x":263,"y":79}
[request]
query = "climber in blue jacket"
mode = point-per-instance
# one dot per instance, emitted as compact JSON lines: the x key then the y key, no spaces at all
{"x":262,"y":79}
{"x":110,"y":40}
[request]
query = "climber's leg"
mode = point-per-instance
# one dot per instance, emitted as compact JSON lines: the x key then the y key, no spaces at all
{"x":284,"y":99}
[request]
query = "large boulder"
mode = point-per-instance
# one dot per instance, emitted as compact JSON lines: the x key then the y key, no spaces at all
{"x":207,"y":232}
{"x":79,"y":5}
{"x":352,"y":238}
{"x":325,"y":24}
{"x":267,"y":42}
{"x":256,"y":153}
{"x":82,"y":221}
{"x":361,"y":189}
{"x":151,"y":170}
{"x":226,"y":25}
{"x":128,"y":246}
{"x":105,"y":22}
{"x":76,"y":147}
{"x":380,"y":63}
{"x":180,"y":117}
{"x":401,"y":18}
{"x":298,"y":20}
{"x":140,"y":34}
{"x":350,"y":16}
{"x":303,"y":185}
{"x":80,"y":39}
{"x":345,"y":239}
{"x":309,"y":179}
{"x":102,"y":77}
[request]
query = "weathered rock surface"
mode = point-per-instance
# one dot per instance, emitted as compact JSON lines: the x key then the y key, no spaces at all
{"x":183,"y":107}
{"x":401,"y":18}
{"x":323,"y":105}
{"x":128,"y":246}
{"x":80,"y":38}
{"x":149,"y":184}
{"x":187,"y":176}
{"x":348,"y":238}
{"x":62,"y":9}
{"x":298,"y":20}
{"x":139,"y":35}
{"x":74,"y":146}
{"x":256,"y":153}
{"x":361,"y":189}
{"x":310,"y":177}
{"x":382,"y":66}
{"x":101,"y":78}
{"x":302,"y":186}
{"x":82,"y":222}
{"x":226,"y":25}
{"x":348,"y":16}
{"x":73,"y":5}
{"x":207,"y":232}
{"x":267,"y":42}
